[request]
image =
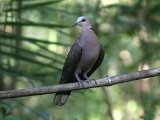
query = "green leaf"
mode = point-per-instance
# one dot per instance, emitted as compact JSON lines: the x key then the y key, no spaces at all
{"x":14,"y":37}
{"x":11,"y":117}
{"x":1,"y":116}
{"x":35,"y":5}
{"x":29,"y":24}
{"x":54,"y":53}
{"x":34,"y":54}
{"x":5,"y":107}
{"x":30,"y":60}
{"x":33,"y":110}
{"x":15,"y":73}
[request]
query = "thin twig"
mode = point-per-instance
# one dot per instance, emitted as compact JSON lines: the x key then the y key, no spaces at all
{"x":107,"y":81}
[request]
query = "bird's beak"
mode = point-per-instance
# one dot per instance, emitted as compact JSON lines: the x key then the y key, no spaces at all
{"x":75,"y":24}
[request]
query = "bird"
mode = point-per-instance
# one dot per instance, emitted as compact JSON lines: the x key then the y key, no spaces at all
{"x":84,"y":57}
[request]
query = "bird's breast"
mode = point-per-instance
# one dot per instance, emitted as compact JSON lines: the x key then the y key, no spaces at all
{"x":90,"y":52}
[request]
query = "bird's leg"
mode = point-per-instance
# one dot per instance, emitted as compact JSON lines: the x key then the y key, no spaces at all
{"x":87,"y":78}
{"x":79,"y":80}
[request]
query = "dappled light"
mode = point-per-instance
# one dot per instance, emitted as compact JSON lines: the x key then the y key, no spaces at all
{"x":126,"y":56}
{"x":36,"y":35}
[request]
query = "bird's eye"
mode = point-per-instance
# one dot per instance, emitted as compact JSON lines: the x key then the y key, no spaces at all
{"x":83,"y":20}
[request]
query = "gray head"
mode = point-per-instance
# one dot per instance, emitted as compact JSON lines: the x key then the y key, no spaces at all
{"x":83,"y":21}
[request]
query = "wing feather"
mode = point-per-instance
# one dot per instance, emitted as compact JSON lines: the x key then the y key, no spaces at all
{"x":98,"y":62}
{"x":70,"y":64}
{"x":68,"y":73}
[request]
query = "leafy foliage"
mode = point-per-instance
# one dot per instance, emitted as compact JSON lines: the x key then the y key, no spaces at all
{"x":35,"y":36}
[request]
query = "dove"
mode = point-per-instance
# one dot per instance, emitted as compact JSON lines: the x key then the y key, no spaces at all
{"x":84,"y":57}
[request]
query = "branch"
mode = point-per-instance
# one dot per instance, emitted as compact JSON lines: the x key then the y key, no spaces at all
{"x":107,"y":81}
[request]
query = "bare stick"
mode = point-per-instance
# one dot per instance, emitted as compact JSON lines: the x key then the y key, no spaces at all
{"x":107,"y":81}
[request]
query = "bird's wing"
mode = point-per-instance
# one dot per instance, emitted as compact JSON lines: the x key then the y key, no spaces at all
{"x":68,"y":72}
{"x":98,"y":62}
{"x":70,"y":64}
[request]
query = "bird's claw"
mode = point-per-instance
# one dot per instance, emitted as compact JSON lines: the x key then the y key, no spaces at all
{"x":106,"y":76}
{"x":80,"y":82}
{"x":89,"y":80}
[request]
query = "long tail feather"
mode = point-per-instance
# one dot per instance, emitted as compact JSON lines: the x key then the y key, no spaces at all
{"x":61,"y":98}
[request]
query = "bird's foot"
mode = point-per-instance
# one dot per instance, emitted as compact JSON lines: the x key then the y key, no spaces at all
{"x":106,"y":76}
{"x":89,"y":80}
{"x":95,"y":81}
{"x":80,"y":82}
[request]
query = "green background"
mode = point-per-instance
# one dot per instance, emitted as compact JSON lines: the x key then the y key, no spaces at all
{"x":35,"y":36}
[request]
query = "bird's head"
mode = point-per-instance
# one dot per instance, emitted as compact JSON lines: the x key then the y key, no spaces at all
{"x":82,"y":21}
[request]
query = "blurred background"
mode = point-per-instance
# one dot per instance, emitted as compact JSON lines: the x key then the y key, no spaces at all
{"x":35,"y":36}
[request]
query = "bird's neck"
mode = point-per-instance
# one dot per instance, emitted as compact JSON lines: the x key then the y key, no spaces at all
{"x":86,"y":27}
{"x":88,"y":36}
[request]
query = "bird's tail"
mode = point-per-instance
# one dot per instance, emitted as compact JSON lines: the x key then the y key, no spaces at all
{"x":61,"y":98}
